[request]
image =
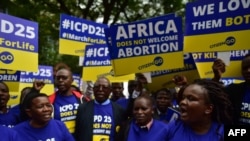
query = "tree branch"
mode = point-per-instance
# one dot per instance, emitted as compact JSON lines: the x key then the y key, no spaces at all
{"x":126,"y":16}
{"x":63,"y":7}
{"x":108,"y":7}
{"x":86,"y":10}
{"x":122,"y":8}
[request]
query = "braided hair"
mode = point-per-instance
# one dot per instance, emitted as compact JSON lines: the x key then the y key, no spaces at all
{"x":217,"y":97}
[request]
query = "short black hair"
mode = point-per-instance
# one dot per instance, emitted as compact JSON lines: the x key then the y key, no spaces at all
{"x":102,"y":77}
{"x":31,"y":96}
{"x":24,"y":92}
{"x":147,"y":97}
{"x":5,"y":85}
{"x":121,"y":83}
{"x":168,"y":92}
{"x":26,"y":104}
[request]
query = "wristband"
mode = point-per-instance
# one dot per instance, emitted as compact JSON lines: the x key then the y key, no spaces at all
{"x":135,"y":94}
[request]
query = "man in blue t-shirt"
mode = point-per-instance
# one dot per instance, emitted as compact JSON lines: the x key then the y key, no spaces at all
{"x":8,"y":117}
{"x":239,"y":94}
{"x":64,"y":100}
{"x":117,"y":94}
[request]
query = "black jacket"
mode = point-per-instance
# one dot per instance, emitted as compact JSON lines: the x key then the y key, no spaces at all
{"x":236,"y":93}
{"x":85,"y":117}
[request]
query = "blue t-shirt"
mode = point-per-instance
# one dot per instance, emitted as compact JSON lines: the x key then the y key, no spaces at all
{"x":55,"y":130}
{"x":103,"y":124}
{"x":65,"y":109}
{"x":16,"y":109}
{"x":7,"y":134}
{"x":9,"y":119}
{"x":157,"y":132}
{"x":122,"y":102}
{"x":245,"y":108}
{"x":179,"y":131}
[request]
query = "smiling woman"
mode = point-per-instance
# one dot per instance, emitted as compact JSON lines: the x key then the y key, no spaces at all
{"x":40,"y":125}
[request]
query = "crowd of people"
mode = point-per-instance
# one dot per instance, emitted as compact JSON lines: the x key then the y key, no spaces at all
{"x":199,"y":111}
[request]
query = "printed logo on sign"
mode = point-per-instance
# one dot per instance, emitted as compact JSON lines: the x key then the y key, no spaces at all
{"x":229,"y":42}
{"x":158,"y":61}
{"x":112,"y":72}
{"x":13,"y":96}
{"x":6,"y":57}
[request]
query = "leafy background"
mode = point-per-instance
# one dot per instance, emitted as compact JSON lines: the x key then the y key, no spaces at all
{"x":47,"y":14}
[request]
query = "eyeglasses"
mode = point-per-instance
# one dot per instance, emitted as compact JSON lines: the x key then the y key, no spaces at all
{"x":101,"y":87}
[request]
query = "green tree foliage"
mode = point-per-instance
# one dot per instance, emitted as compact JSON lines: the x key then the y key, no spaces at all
{"x":47,"y":14}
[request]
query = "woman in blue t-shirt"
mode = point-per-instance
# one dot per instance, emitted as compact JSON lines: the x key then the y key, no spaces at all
{"x":8,"y":117}
{"x":41,"y":126}
{"x":204,"y":109}
{"x":142,"y":127}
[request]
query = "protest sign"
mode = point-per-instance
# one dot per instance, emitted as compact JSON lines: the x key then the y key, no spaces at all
{"x":163,"y":78}
{"x":146,"y":45}
{"x":204,"y":62}
{"x":76,"y":33}
{"x":18,"y":43}
{"x":97,"y":63}
{"x":217,"y":25}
